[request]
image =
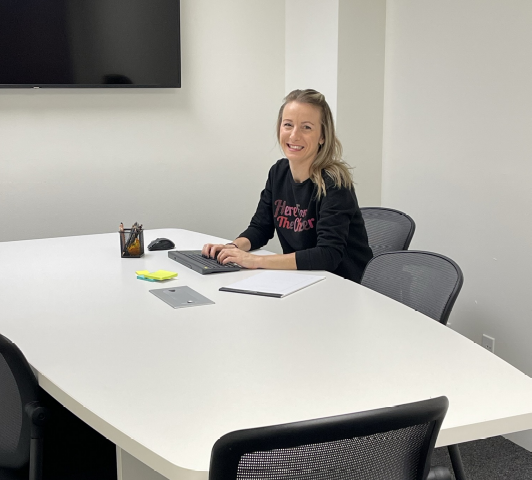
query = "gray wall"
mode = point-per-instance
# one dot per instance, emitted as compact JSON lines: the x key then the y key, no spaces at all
{"x":361,"y":40}
{"x":457,"y":150}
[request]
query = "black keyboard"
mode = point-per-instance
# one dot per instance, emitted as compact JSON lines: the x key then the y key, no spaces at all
{"x":196,"y":261}
{"x":207,"y":261}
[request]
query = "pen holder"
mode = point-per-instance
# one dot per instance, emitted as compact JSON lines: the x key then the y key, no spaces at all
{"x":131,"y":245}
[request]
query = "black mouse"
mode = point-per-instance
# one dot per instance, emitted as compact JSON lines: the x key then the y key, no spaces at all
{"x":161,"y":244}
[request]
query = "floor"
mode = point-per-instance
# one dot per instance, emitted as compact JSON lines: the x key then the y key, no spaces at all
{"x":491,"y":459}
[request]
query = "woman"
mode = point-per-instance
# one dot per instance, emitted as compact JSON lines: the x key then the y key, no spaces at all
{"x":309,"y":199}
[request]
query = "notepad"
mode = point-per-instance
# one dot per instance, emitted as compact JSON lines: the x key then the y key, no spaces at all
{"x":273,"y":283}
{"x":158,"y":276}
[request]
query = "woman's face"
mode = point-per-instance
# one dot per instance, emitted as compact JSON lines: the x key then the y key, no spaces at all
{"x":300,"y":132}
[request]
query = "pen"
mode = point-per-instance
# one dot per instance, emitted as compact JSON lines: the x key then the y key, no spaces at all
{"x":130,"y":240}
{"x":122,"y":236}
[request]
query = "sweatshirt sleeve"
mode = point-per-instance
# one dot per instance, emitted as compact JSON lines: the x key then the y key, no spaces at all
{"x":261,"y":227}
{"x":335,"y":213}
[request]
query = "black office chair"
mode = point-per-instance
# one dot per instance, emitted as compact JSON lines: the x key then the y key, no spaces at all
{"x":388,"y":230}
{"x":22,"y":417}
{"x":425,"y":281}
{"x":387,"y":443}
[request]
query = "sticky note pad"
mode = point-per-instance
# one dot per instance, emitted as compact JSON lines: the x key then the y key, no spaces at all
{"x":142,"y":272}
{"x":161,"y":275}
{"x":142,"y":277}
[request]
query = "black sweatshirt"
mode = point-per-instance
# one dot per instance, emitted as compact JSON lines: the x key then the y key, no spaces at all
{"x":326,"y":234}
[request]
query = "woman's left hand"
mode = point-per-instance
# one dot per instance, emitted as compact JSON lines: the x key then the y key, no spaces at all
{"x":235,"y":255}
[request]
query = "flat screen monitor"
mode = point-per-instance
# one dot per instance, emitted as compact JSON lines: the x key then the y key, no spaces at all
{"x":90,"y":43}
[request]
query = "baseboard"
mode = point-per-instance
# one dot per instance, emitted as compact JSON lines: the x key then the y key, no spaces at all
{"x":523,"y":439}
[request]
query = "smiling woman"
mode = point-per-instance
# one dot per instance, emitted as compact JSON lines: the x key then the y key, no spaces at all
{"x":309,"y":200}
{"x":300,"y":137}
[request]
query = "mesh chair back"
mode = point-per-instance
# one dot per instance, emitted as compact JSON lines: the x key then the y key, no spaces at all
{"x":425,"y":281}
{"x":388,"y":230}
{"x":18,"y":387}
{"x":391,"y":443}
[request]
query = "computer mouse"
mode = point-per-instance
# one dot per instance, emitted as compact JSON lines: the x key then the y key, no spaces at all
{"x":161,"y":244}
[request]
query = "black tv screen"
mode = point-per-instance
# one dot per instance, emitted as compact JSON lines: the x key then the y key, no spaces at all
{"x":90,"y":43}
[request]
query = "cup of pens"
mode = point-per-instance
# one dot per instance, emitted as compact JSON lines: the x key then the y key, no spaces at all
{"x":131,"y":241}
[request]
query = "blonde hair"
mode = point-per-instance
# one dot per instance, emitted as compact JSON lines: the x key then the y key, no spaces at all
{"x":329,"y":158}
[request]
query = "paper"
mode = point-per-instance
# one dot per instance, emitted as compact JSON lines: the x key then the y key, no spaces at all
{"x":273,"y":283}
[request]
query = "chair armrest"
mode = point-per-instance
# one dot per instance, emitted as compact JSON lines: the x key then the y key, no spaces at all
{"x":39,"y":415}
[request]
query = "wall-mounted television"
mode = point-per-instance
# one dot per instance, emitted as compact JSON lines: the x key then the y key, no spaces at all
{"x":90,"y":43}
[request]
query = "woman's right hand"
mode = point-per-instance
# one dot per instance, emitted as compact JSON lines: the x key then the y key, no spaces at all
{"x":212,"y":249}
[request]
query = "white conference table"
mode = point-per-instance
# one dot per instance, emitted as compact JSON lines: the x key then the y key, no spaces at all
{"x":164,"y":384}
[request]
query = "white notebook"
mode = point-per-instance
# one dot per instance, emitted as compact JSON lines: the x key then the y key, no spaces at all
{"x":273,"y":283}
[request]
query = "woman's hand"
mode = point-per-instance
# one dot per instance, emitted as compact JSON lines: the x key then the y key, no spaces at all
{"x":239,"y":254}
{"x":235,"y":255}
{"x":212,"y":249}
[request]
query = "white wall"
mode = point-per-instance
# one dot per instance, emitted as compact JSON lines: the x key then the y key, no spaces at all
{"x":311,"y":54}
{"x":75,"y":161}
{"x":78,"y":161}
{"x":337,"y":48}
{"x":457,"y":150}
